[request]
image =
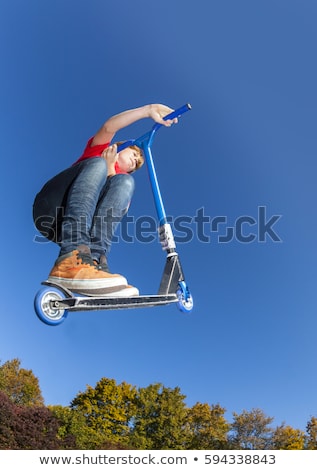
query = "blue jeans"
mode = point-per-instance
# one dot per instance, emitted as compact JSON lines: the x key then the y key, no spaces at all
{"x":83,"y":206}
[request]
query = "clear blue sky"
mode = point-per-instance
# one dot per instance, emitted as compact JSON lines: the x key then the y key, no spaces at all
{"x":249,"y":70}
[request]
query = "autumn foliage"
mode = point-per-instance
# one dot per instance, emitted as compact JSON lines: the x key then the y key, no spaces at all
{"x":121,"y":416}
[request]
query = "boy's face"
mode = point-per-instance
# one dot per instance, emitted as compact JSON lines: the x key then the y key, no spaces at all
{"x":127,"y":159}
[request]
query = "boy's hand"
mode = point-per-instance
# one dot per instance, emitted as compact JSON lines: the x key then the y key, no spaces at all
{"x":158,"y":111}
{"x":119,"y":121}
{"x":110,"y":154}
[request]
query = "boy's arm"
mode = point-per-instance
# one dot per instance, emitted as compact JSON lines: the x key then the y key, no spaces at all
{"x":155,"y":111}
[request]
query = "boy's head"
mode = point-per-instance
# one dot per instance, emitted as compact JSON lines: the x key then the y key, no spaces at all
{"x":131,"y":158}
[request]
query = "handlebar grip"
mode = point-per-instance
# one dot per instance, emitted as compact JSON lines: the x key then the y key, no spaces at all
{"x":178,"y":112}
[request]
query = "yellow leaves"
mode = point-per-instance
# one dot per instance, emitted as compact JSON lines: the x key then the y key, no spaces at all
{"x":20,"y":385}
{"x":288,"y":438}
{"x":108,"y":408}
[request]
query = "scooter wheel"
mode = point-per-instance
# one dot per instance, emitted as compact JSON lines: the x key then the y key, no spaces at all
{"x":185,"y":300}
{"x":47,"y":313}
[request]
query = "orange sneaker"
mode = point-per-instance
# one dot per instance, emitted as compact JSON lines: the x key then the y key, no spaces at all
{"x":77,"y":272}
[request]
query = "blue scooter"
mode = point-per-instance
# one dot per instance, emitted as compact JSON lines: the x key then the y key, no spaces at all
{"x":53,"y":302}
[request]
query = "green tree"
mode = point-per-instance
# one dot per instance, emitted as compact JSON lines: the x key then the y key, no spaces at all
{"x":74,"y":433}
{"x":108,"y":410}
{"x":20,"y":385}
{"x":207,"y":427}
{"x":311,"y":438}
{"x":250,"y":430}
{"x":160,"y":419}
{"x":73,"y":429}
{"x":288,"y":438}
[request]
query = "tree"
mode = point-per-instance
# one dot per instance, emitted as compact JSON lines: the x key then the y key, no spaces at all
{"x":26,"y":427}
{"x":288,"y":438}
{"x":7,"y":423}
{"x":250,"y":430}
{"x":311,"y":438}
{"x":160,"y":419}
{"x":108,"y":410}
{"x":20,"y":385}
{"x":36,"y":428}
{"x":73,"y":429}
{"x":207,"y":427}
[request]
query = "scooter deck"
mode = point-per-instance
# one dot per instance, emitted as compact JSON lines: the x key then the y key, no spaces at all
{"x":79,"y":302}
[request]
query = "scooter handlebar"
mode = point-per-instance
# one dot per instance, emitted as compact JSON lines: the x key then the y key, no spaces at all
{"x":178,"y":112}
{"x":174,"y":114}
{"x":125,"y":145}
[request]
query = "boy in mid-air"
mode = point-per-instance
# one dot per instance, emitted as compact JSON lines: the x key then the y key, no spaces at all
{"x":80,"y":208}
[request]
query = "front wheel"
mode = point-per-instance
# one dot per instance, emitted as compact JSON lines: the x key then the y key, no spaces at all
{"x":185,"y":300}
{"x":44,"y":308}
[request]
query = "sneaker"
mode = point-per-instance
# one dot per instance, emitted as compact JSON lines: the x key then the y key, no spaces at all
{"x":77,"y":272}
{"x":102,"y":265}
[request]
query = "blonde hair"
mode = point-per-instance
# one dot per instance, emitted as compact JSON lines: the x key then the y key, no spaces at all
{"x":140,"y":160}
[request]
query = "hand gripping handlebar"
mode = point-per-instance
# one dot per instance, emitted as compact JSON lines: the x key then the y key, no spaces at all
{"x":149,"y":136}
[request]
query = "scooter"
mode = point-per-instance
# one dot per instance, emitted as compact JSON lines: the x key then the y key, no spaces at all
{"x":53,"y":302}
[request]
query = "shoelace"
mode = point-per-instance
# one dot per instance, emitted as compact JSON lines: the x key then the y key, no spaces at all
{"x":86,"y":259}
{"x":104,"y":267}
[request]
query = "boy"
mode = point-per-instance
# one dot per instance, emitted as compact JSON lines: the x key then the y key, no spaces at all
{"x":80,"y":208}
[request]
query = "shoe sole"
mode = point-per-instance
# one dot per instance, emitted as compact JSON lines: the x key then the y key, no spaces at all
{"x":124,"y":292}
{"x":113,"y":283}
{"x":114,"y":292}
